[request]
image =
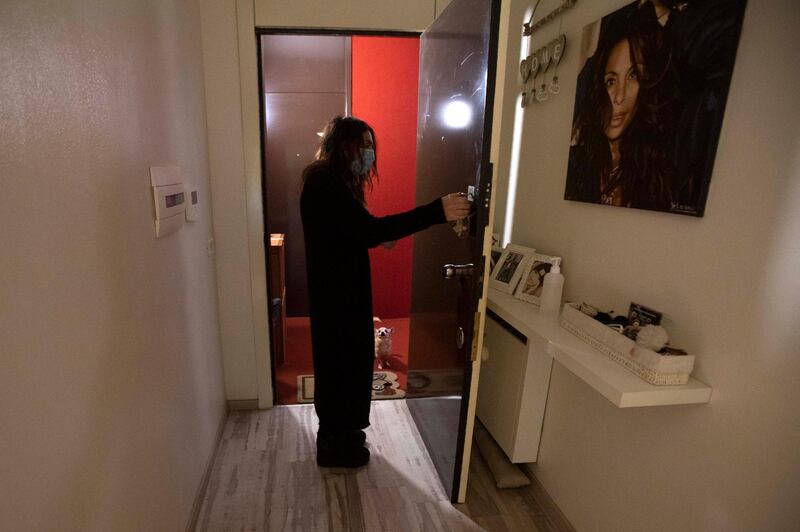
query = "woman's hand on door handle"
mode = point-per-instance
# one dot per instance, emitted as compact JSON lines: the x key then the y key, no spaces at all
{"x":456,"y":206}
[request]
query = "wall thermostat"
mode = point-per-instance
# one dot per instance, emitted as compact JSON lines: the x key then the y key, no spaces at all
{"x":192,"y":204}
{"x":169,"y":198}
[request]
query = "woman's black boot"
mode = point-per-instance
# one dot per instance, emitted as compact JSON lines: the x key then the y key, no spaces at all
{"x":356,"y":437}
{"x":339,"y":449}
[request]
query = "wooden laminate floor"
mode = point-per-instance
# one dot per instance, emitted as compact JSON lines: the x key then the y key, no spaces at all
{"x":265,"y":478}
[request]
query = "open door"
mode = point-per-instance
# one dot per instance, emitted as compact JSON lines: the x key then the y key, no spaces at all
{"x":458,"y":62}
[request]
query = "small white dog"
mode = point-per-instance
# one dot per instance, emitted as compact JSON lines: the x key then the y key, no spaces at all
{"x":383,"y":344}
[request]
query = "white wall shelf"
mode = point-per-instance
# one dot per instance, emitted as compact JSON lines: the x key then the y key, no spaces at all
{"x":613,"y":381}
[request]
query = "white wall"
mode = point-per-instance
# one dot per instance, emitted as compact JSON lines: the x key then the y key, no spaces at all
{"x":111,"y":379}
{"x":727,"y":283}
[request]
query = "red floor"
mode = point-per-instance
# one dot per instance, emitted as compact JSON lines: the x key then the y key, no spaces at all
{"x":298,"y":356}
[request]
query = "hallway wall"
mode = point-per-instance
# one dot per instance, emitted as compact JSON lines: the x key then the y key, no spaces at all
{"x":727,"y":284}
{"x":111,"y":390}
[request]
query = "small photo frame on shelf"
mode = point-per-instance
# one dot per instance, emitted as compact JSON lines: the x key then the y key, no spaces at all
{"x":495,"y":252}
{"x":508,"y":270}
{"x":638,"y":317}
{"x":532,"y":278}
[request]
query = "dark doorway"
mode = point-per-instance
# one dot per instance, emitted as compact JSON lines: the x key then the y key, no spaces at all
{"x":307,"y":79}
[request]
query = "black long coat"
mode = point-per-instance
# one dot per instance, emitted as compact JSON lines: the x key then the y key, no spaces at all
{"x":338,"y":233}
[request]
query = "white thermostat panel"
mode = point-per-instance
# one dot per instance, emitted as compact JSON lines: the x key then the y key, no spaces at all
{"x":192,"y":203}
{"x":169,"y":197}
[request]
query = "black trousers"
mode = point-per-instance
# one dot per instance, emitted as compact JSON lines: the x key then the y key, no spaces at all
{"x":343,"y":350}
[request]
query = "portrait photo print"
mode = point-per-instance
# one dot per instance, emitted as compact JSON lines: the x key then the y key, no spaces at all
{"x":508,"y":270}
{"x":532,"y":280}
{"x":649,"y":104}
{"x":509,"y":267}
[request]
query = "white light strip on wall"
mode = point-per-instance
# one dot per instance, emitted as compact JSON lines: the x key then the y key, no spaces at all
{"x":513,"y":174}
{"x":516,"y":144}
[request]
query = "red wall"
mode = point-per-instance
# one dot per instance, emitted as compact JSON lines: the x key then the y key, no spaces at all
{"x":385,"y":73}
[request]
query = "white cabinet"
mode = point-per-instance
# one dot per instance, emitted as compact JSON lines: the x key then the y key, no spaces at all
{"x":513,"y":387}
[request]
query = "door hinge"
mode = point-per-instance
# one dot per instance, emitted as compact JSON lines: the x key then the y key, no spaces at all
{"x":475,"y":330}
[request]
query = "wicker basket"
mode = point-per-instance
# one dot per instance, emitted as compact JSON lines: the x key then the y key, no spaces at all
{"x":645,"y":363}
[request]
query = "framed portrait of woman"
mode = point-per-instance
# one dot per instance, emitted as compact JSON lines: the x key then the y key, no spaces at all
{"x":508,"y":270}
{"x":649,"y":104}
{"x":530,"y":286}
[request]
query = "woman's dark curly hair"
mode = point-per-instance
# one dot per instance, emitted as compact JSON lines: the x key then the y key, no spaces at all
{"x":342,"y":136}
{"x":645,"y":172}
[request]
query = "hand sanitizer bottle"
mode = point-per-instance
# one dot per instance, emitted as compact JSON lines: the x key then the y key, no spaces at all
{"x":552,"y":288}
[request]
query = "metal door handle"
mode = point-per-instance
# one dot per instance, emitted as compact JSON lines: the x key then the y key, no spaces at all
{"x":451,"y":271}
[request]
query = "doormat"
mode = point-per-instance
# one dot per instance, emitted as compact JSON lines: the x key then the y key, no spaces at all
{"x":435,"y":382}
{"x":384,"y":386}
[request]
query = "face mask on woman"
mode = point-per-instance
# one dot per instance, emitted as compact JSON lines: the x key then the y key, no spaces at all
{"x":362,"y":166}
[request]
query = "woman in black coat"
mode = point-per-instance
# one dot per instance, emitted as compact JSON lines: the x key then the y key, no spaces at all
{"x":338,"y":233}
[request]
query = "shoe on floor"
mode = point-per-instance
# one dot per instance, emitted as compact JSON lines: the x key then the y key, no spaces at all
{"x":341,"y":450}
{"x":352,"y":437}
{"x":356,"y":437}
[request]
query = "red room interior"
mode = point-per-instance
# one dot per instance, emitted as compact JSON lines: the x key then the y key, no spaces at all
{"x":385,"y":71}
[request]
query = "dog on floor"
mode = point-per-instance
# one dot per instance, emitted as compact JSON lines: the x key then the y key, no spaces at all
{"x":383,"y":344}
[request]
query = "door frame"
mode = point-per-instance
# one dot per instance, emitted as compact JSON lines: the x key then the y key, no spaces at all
{"x":250,"y":97}
{"x":263,"y":160}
